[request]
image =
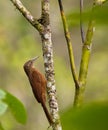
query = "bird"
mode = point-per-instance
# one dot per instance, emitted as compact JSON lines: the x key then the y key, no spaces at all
{"x":38,"y":84}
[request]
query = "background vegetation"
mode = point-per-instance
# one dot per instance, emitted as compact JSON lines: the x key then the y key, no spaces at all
{"x":19,"y":42}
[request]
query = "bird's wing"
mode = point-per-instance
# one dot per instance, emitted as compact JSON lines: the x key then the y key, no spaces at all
{"x":38,"y":84}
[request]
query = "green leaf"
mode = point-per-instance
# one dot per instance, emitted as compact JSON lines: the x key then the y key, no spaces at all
{"x":1,"y":127}
{"x":2,"y":94}
{"x":16,"y":108}
{"x":3,"y":107}
{"x":89,"y":117}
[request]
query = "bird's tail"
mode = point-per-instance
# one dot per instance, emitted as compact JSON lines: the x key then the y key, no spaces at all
{"x":47,"y":113}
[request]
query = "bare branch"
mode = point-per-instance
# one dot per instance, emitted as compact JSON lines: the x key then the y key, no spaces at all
{"x":48,"y":64}
{"x":81,"y":23}
{"x":69,"y":44}
{"x":27,"y":15}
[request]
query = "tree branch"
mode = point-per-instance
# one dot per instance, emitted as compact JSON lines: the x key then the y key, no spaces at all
{"x":86,"y":50}
{"x":48,"y":63}
{"x":43,"y":26}
{"x":27,"y":15}
{"x":81,"y":21}
{"x":69,"y":44}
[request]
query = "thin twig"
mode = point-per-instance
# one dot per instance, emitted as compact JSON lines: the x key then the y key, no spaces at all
{"x":69,"y":44}
{"x":81,"y":23}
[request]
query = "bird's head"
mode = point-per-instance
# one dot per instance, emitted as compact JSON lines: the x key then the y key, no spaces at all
{"x":29,"y":64}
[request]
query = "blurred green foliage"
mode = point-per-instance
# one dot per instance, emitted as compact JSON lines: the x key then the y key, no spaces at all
{"x":89,"y":117}
{"x":100,"y":15}
{"x":3,"y":107}
{"x":17,"y":109}
{"x":1,"y":127}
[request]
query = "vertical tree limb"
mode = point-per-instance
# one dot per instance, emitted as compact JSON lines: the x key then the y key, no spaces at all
{"x":48,"y":63}
{"x":86,"y":50}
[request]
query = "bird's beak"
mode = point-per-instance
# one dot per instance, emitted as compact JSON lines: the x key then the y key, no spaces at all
{"x":35,"y":58}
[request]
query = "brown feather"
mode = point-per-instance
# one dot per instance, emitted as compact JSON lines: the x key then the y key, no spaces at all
{"x":38,"y":84}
